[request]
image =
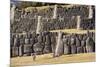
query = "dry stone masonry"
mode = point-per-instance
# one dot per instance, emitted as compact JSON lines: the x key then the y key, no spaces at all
{"x":30,"y":30}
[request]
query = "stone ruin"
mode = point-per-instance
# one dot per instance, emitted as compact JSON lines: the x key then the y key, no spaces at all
{"x":37,"y":24}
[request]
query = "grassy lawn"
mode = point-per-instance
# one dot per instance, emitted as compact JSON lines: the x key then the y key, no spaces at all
{"x":52,"y":6}
{"x":48,"y":59}
{"x":73,"y":31}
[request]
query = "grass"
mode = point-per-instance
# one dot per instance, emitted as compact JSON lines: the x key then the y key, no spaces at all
{"x":48,"y":59}
{"x":73,"y":31}
{"x":52,"y":6}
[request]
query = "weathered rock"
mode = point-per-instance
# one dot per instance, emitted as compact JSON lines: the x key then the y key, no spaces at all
{"x":73,"y":49}
{"x":59,"y":47}
{"x":21,"y":50}
{"x":14,"y":51}
{"x":80,"y":50}
{"x":38,"y":48}
{"x":67,"y":49}
{"x":89,"y":45}
{"x":27,"y":49}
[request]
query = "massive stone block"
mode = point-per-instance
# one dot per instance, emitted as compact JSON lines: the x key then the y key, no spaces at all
{"x":73,"y":49}
{"x":90,"y":45}
{"x":38,"y":48}
{"x":12,"y":13}
{"x":80,"y":50}
{"x":78,"y":22}
{"x":90,"y":12}
{"x":59,"y":46}
{"x":28,"y":49}
{"x":14,"y":51}
{"x":21,"y":50}
{"x":38,"y":25}
{"x":67,"y":49}
{"x":55,"y":12}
